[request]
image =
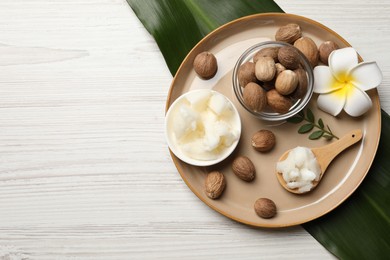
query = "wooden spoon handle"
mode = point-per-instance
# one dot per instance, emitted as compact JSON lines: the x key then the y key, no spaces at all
{"x":327,"y":153}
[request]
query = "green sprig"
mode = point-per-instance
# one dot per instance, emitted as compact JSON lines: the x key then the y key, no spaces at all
{"x":311,"y":124}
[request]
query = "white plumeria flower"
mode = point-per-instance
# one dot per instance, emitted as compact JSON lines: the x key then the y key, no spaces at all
{"x":344,"y":82}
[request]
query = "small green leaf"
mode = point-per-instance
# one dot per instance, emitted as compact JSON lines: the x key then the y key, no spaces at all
{"x":320,"y":123}
{"x":295,"y":119}
{"x":310,"y":116}
{"x":311,"y":124}
{"x":305,"y":128}
{"x":327,"y":137}
{"x":316,"y":135}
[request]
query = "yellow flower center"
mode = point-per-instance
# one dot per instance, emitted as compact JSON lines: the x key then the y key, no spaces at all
{"x":344,"y":85}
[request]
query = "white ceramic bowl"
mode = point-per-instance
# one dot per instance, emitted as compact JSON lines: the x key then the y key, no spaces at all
{"x":177,"y":151}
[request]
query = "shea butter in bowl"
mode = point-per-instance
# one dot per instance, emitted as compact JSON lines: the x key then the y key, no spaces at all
{"x":202,"y":127}
{"x":273,"y":80}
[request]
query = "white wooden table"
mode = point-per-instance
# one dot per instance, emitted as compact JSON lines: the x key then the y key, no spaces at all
{"x":85,"y":172}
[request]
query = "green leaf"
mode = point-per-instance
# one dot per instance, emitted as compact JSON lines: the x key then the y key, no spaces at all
{"x":327,"y":137}
{"x":295,"y":119}
{"x":359,"y":228}
{"x":310,"y":116}
{"x":177,"y":25}
{"x":320,"y":123}
{"x":305,"y":128}
{"x":316,"y":135}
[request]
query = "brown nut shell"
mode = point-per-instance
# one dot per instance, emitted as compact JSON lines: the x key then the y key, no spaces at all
{"x":289,"y":57}
{"x":288,"y":33}
{"x":309,"y":48}
{"x":279,"y":68}
{"x":205,"y":65}
{"x":263,"y":140}
{"x":278,"y":102}
{"x":286,"y":82}
{"x":325,"y":50}
{"x":244,"y":169}
{"x":254,"y":97}
{"x":302,"y":87}
{"x":246,"y":74}
{"x":265,"y":208}
{"x":265,"y":69}
{"x":215,"y":184}
{"x":267,"y":52}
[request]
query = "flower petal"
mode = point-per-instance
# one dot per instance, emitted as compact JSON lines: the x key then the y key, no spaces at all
{"x":324,"y":82}
{"x":341,"y":61}
{"x":358,"y":102}
{"x":366,"y":75}
{"x":332,"y":102}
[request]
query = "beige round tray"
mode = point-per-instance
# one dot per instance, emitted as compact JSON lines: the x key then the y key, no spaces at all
{"x":344,"y":174}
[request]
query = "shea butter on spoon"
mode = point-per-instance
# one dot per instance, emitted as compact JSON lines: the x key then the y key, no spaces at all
{"x":299,"y":170}
{"x":202,"y":127}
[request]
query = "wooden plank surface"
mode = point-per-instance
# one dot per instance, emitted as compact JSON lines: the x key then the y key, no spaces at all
{"x":85,"y":172}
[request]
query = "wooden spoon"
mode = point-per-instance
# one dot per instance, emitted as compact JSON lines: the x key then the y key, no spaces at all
{"x":325,"y":156}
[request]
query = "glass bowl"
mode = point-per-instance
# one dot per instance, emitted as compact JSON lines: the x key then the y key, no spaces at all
{"x":268,"y":114}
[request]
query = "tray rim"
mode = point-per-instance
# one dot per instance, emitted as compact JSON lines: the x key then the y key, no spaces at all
{"x":177,"y":161}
